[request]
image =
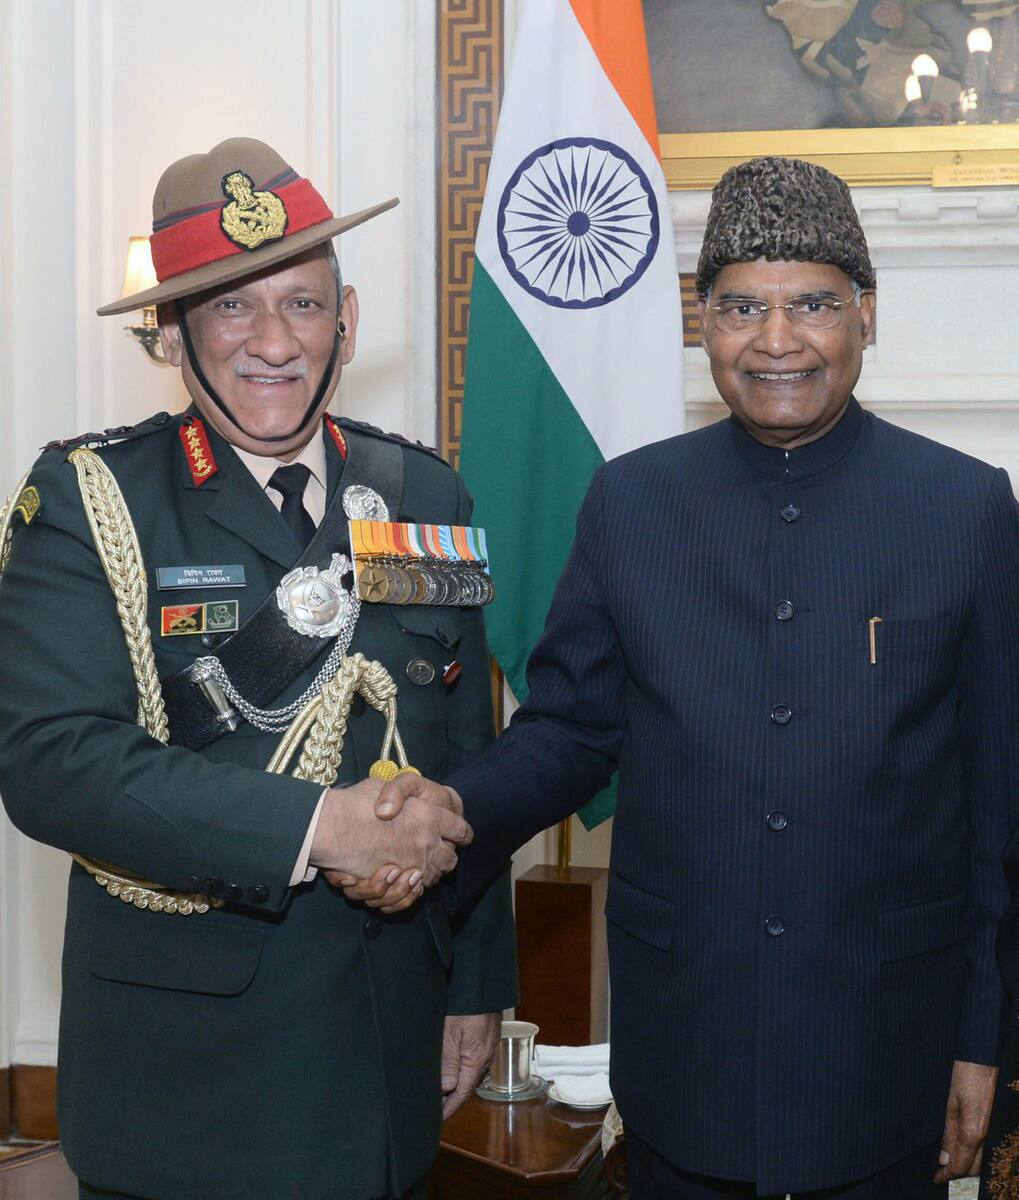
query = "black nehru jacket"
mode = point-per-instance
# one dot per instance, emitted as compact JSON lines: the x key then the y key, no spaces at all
{"x":806,"y":862}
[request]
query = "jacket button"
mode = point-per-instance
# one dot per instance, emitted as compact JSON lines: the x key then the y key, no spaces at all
{"x":784,"y":610}
{"x":775,"y":926}
{"x":160,"y":418}
{"x":781,"y":714}
{"x":420,"y":671}
{"x":233,"y":891}
{"x":258,"y":894}
{"x":210,"y":640}
{"x":191,"y":883}
{"x":212,"y":885}
{"x":790,"y":513}
{"x":372,"y":927}
{"x":777,"y":821}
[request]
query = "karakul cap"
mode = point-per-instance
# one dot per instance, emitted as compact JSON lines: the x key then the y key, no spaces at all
{"x":783,"y":208}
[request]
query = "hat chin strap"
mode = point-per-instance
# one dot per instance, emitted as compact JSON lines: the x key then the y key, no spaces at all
{"x":216,"y":399}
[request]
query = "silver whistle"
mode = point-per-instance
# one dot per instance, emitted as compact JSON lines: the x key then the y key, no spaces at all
{"x":212,"y":690}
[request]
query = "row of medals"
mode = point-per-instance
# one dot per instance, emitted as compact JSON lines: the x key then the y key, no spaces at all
{"x":424,"y":581}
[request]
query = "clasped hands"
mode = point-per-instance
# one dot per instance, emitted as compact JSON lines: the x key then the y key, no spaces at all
{"x":383,"y":844}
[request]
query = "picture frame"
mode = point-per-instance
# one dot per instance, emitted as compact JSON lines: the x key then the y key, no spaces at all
{"x":734,"y":78}
{"x":892,"y":157}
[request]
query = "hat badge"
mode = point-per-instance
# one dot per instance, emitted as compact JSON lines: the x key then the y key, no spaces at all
{"x":251,"y":218}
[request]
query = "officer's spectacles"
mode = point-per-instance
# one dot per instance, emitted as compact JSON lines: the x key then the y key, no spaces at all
{"x":807,"y":312}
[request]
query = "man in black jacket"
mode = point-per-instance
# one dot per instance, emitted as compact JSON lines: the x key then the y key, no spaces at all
{"x":793,"y":634}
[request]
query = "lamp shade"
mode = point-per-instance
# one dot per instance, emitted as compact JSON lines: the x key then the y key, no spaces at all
{"x":139,"y":273}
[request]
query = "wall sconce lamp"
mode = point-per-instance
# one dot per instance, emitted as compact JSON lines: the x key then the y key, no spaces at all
{"x":139,"y":275}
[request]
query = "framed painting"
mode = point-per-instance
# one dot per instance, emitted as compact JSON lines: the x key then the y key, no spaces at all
{"x":883,"y":92}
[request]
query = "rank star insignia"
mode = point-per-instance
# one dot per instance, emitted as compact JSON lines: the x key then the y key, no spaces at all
{"x":251,"y":218}
{"x":198,"y":450}
{"x":336,"y":433}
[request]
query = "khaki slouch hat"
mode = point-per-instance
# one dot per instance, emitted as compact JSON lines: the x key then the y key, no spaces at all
{"x":219,"y":216}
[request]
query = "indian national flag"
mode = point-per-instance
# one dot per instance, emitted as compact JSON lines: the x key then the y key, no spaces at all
{"x":575,"y":347}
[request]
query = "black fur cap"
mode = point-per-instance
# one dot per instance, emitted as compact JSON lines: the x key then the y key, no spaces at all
{"x":783,"y":208}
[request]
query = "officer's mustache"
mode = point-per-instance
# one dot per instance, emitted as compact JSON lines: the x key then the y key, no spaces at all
{"x":247,"y":367}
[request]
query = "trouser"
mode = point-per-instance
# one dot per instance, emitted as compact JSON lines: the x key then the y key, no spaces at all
{"x":653,"y":1177}
{"x":417,"y":1192}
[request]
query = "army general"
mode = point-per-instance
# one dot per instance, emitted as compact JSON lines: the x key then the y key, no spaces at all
{"x":192,"y":697}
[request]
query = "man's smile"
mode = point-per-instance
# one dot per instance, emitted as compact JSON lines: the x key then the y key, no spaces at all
{"x":781,"y":376}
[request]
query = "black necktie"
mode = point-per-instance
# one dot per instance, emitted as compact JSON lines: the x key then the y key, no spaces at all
{"x":290,"y":482}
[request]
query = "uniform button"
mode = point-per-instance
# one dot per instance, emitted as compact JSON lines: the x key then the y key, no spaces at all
{"x":775,"y":926}
{"x":420,"y":671}
{"x":210,"y":640}
{"x":160,"y":418}
{"x":777,"y":820}
{"x":258,"y":894}
{"x":783,"y":610}
{"x":781,"y":714}
{"x":191,"y":883}
{"x":213,"y":885}
{"x":790,"y":513}
{"x":372,"y":927}
{"x":233,"y":891}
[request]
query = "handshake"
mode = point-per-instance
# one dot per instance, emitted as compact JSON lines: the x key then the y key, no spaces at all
{"x":384,"y":843}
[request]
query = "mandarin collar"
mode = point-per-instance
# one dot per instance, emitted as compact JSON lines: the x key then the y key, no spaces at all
{"x":791,"y":465}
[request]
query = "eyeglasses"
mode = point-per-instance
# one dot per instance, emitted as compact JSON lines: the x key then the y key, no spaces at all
{"x":806,"y":312}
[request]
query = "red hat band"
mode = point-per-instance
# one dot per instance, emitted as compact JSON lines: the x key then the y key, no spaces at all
{"x":247,"y":219}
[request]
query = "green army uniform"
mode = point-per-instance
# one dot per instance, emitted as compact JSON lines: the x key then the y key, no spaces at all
{"x":285,"y":1046}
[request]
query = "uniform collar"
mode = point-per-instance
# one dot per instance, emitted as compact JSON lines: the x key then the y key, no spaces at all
{"x":312,"y":455}
{"x":791,"y":465}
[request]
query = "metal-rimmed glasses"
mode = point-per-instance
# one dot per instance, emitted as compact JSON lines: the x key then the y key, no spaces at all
{"x":814,"y":311}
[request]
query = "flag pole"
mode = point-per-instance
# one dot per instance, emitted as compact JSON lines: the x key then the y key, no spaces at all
{"x":565,"y":844}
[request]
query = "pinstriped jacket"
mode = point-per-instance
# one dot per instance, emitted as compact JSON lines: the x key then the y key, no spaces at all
{"x":806,"y":865}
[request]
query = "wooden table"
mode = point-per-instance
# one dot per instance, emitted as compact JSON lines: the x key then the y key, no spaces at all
{"x":40,"y":1174}
{"x":492,"y":1151}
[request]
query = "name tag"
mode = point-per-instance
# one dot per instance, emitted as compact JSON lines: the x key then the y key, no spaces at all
{"x":231,"y":575}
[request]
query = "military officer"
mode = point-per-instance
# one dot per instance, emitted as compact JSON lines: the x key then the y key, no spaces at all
{"x":794,"y":634}
{"x":176,"y":597}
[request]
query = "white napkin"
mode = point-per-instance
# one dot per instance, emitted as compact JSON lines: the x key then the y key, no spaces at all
{"x":552,"y":1061}
{"x":584,"y":1089}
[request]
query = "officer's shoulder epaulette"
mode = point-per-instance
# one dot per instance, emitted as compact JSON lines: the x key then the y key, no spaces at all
{"x":118,"y":433}
{"x":374,"y":431}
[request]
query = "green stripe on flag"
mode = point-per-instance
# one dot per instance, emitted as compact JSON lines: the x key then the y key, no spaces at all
{"x":528,"y":458}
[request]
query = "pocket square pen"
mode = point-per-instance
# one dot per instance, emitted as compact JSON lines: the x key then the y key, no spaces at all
{"x":874,"y":622}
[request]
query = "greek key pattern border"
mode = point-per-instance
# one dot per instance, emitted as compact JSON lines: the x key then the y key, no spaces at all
{"x":470,"y":64}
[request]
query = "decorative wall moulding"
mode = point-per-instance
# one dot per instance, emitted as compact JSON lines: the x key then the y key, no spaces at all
{"x":905,"y":228}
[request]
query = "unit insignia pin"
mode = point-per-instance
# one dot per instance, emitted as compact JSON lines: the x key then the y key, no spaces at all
{"x":362,"y":503}
{"x":251,"y":218}
{"x":316,"y":603}
{"x":28,"y":504}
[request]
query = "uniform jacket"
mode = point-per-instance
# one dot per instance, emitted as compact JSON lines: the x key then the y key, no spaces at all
{"x":806,"y":863}
{"x":286,"y":1046}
